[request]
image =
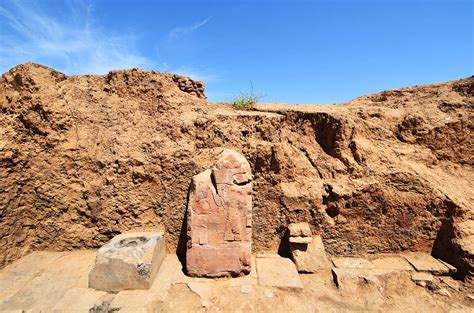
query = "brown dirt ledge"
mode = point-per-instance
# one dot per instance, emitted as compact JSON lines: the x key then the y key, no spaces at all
{"x":83,"y":158}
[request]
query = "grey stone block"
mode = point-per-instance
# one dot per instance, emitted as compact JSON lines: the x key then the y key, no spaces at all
{"x":128,"y":261}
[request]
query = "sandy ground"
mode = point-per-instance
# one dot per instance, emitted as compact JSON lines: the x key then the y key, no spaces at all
{"x":58,"y":282}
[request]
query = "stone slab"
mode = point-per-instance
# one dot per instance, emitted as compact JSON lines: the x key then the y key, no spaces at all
{"x":37,"y":282}
{"x":352,"y":282}
{"x":422,"y":278}
{"x":350,"y":262}
{"x":40,"y":294}
{"x":451,"y":268}
{"x":305,"y":240}
{"x":128,"y":261}
{"x":426,"y":263}
{"x":81,"y":300}
{"x":278,"y":272}
{"x":395,"y":263}
{"x":451,"y":282}
{"x":345,"y":276}
{"x":18,"y":274}
{"x":310,"y":257}
{"x":134,"y":301}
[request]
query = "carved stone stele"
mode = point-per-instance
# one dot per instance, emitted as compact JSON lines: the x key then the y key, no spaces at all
{"x":220,"y":219}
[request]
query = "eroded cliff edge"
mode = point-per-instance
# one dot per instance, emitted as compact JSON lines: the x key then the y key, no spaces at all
{"x":83,"y":158}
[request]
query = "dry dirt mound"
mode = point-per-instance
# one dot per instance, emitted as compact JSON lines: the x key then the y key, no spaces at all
{"x":83,"y":158}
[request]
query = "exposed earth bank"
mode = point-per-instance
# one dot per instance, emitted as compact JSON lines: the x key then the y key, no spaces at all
{"x":84,"y":158}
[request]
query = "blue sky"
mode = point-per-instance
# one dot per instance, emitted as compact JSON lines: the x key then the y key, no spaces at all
{"x":292,"y":51}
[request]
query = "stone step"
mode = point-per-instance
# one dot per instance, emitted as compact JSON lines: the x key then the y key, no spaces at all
{"x":352,"y":262}
{"x":43,"y":279}
{"x":279,"y":272}
{"x":392,"y":262}
{"x":424,"y":262}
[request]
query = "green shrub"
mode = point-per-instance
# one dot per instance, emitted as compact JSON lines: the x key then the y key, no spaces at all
{"x":245,"y":100}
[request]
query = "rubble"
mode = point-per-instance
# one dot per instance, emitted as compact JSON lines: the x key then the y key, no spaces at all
{"x":188,"y":85}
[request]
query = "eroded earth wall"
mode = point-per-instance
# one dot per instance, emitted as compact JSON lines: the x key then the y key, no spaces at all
{"x":84,"y":158}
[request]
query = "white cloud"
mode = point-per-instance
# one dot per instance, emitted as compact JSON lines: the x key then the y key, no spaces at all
{"x":74,"y":46}
{"x":183,"y":30}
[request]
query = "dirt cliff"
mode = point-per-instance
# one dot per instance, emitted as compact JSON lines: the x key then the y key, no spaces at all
{"x":83,"y":158}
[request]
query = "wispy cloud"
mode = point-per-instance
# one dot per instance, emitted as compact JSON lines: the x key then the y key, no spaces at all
{"x":74,"y":46}
{"x":183,"y":30}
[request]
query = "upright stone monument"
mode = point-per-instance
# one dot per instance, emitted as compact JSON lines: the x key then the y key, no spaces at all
{"x":220,"y":219}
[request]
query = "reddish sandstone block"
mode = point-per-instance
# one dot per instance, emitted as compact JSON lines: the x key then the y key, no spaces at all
{"x":220,"y":219}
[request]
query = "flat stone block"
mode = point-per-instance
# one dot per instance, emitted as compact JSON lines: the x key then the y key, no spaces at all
{"x":40,"y":294}
{"x":349,"y":262}
{"x":422,"y":278}
{"x":128,"y":261}
{"x":451,"y":268}
{"x":451,"y":283}
{"x":81,"y":300}
{"x":310,"y":257}
{"x":304,"y":240}
{"x":278,"y":272}
{"x":17,"y":275}
{"x":135,"y":301}
{"x":395,"y":263}
{"x":426,"y":263}
{"x":345,"y":277}
{"x":352,"y":282}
